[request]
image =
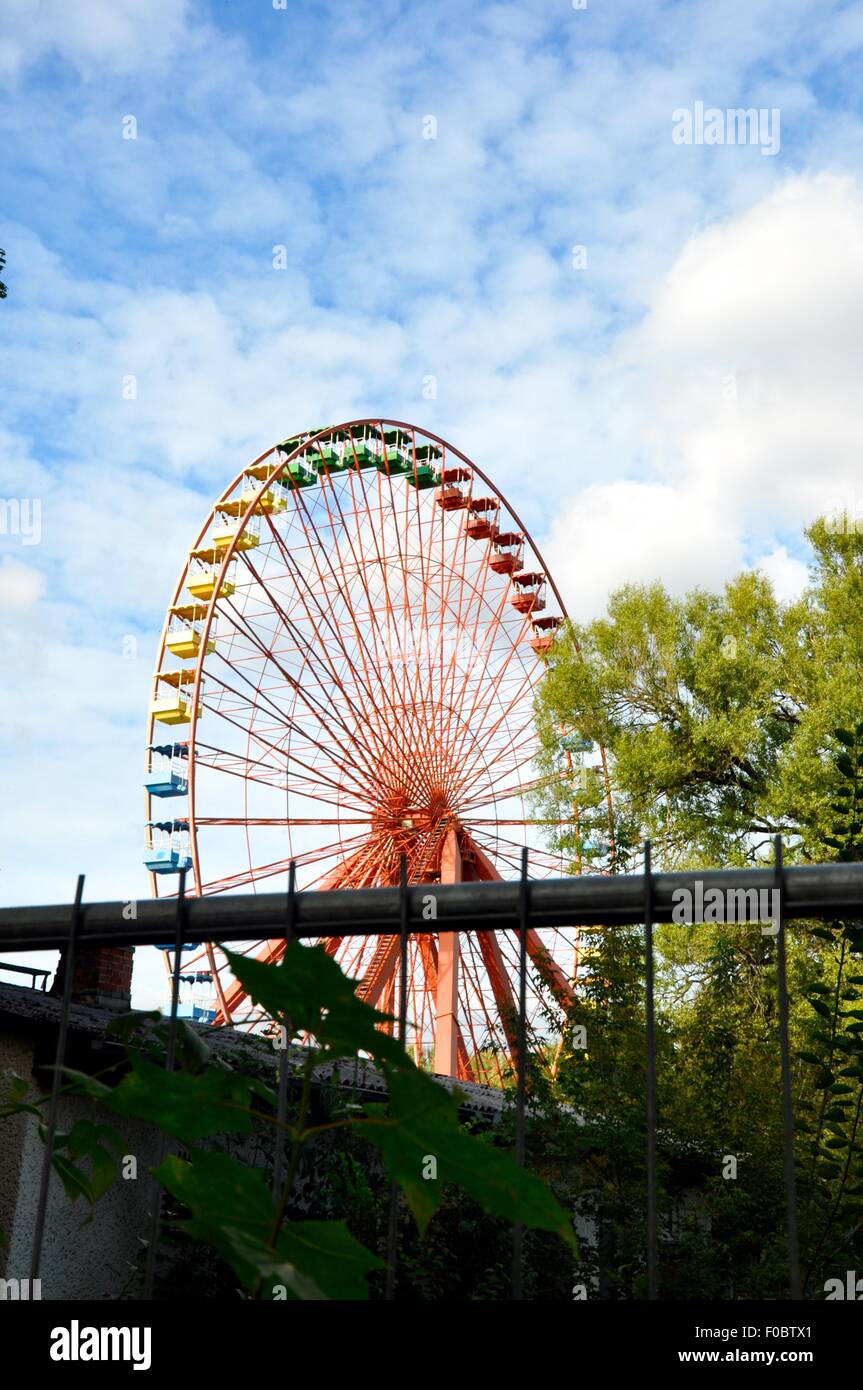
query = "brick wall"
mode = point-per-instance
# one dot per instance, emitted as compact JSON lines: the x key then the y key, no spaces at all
{"x":102,"y":976}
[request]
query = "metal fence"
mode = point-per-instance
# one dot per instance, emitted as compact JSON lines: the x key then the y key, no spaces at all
{"x":822,"y":891}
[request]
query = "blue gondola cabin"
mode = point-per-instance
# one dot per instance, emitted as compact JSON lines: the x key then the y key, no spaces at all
{"x":166,"y":846}
{"x":167,"y":769}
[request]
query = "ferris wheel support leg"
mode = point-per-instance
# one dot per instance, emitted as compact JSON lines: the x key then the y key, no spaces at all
{"x":446,"y":998}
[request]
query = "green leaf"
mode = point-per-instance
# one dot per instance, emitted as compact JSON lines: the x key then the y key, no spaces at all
{"x":811,"y":1057}
{"x":186,"y":1106}
{"x":845,"y":737}
{"x":84,"y":1085}
{"x":96,"y":1142}
{"x":192,"y":1052}
{"x":422,"y":1136}
{"x":126,"y":1025}
{"x":272,"y":1271}
{"x":234,"y":1212}
{"x":328,"y":1253}
{"x":308,"y":987}
{"x":76,"y":1182}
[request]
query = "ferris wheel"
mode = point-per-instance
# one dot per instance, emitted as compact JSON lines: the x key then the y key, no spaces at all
{"x":347,"y":675}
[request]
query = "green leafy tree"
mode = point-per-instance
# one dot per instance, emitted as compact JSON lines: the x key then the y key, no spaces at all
{"x":715,"y":710}
{"x":727,"y":719}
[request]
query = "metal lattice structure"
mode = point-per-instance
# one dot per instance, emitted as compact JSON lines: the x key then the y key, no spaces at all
{"x":352,"y":652}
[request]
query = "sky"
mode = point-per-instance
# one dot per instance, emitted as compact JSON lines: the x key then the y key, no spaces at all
{"x":225,"y":222}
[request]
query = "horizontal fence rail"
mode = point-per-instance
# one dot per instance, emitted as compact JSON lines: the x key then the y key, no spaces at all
{"x":812,"y":890}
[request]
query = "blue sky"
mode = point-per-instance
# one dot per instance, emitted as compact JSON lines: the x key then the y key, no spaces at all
{"x":677,"y":407}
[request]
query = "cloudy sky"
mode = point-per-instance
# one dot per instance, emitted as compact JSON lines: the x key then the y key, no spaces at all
{"x":487,"y":226}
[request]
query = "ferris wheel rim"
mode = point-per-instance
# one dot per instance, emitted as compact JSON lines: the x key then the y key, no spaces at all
{"x":265,"y":480}
{"x":303,"y":444}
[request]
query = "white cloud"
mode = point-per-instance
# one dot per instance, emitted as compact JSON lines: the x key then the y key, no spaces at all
{"x":628,"y":532}
{"x":787,"y":575}
{"x":743,"y":399}
{"x":20,"y":586}
{"x":121,"y":35}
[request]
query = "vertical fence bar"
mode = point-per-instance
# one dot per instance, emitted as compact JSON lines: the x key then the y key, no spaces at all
{"x":170,"y":1054}
{"x":650,"y":1023}
{"x":282,"y":1104}
{"x":516,"y":1285}
{"x":393,"y":1232}
{"x":785,"y":1056}
{"x":59,"y":1060}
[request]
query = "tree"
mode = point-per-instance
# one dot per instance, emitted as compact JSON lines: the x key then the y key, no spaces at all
{"x":716,"y":711}
{"x":2,"y":263}
{"x":726,"y":719}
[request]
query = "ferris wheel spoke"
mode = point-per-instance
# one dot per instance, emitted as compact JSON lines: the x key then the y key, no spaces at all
{"x":502,"y":794}
{"x":275,"y":820}
{"x":379,"y":659}
{"x":236,"y":765}
{"x":325,"y":718}
{"x":482,"y":744}
{"x":309,"y":769}
{"x":319,"y":618}
{"x":344,"y":594}
{"x":466,"y":714}
{"x":257,"y":872}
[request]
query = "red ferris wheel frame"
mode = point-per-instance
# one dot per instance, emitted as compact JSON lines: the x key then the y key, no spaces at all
{"x":451,"y":848}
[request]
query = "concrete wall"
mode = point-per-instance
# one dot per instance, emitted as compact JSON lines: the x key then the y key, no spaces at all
{"x":87,"y":1252}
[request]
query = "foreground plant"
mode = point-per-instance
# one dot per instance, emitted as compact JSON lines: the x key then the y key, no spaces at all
{"x":231,"y":1208}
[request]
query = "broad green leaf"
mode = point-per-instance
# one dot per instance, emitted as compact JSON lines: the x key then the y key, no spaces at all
{"x":76,"y":1183}
{"x":103,"y":1145}
{"x":224,"y":1197}
{"x":192,"y":1052}
{"x":126,"y":1025}
{"x":308,"y":987}
{"x":424,"y":1146}
{"x":84,"y":1085}
{"x":326,"y":1252}
{"x":272,"y":1271}
{"x":186,"y":1106}
{"x":233,"y":1211}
